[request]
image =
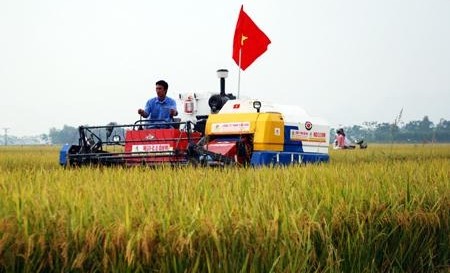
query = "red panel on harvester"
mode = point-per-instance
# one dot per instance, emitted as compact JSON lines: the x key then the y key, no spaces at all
{"x":157,"y":145}
{"x":226,"y":148}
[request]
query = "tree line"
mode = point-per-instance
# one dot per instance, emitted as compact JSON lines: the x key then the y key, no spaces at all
{"x":416,"y":131}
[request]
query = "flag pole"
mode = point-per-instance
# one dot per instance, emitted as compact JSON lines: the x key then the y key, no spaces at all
{"x":239,"y":72}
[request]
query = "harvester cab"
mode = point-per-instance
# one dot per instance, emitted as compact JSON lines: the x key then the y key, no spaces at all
{"x":214,"y":130}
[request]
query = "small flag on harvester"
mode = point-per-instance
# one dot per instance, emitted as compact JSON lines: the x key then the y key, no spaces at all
{"x":249,"y":41}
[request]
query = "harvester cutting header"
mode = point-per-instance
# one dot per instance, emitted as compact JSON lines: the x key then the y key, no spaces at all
{"x":213,"y":130}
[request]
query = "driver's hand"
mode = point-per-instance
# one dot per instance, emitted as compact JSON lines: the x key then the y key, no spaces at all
{"x":141,"y":112}
{"x":173,"y":112}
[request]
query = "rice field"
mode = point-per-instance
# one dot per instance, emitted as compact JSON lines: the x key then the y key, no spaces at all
{"x":384,"y":209}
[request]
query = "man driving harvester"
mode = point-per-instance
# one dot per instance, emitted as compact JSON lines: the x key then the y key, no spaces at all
{"x":160,"y":109}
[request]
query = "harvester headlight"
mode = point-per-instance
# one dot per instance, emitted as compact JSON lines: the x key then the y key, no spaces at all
{"x":257,"y":105}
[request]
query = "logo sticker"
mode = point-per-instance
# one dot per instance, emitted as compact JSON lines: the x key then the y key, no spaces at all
{"x":308,"y":125}
{"x":277,"y":131}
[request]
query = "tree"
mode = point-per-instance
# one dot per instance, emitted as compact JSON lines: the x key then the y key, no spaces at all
{"x":383,"y":132}
{"x":442,"y":131}
{"x":426,"y":124}
{"x":45,"y":138}
{"x":67,"y":134}
{"x":418,"y":130}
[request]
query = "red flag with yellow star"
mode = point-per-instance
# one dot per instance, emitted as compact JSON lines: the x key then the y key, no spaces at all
{"x":249,"y":41}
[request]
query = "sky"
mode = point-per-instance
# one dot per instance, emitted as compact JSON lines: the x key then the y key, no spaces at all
{"x":95,"y":61}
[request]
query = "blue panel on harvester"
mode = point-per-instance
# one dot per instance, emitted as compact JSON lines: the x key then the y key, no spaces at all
{"x":63,"y":154}
{"x":286,"y":158}
{"x":291,"y":145}
{"x":315,"y":157}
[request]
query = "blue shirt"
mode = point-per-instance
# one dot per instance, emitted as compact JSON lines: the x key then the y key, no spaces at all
{"x":159,"y":111}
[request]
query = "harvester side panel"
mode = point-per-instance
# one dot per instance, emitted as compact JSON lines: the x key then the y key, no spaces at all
{"x":267,"y":128}
{"x":273,"y":142}
{"x":300,"y":139}
{"x":270,"y":158}
{"x":231,"y":124}
{"x":269,"y":133}
{"x":151,"y":146}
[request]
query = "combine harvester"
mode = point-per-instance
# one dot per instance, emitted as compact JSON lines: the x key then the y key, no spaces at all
{"x":213,"y":130}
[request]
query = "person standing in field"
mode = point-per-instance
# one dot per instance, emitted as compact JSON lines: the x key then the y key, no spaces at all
{"x":161,"y":108}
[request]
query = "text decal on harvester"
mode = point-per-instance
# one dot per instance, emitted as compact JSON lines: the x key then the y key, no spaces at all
{"x":230,"y":127}
{"x":152,"y":148}
{"x":308,"y":136}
